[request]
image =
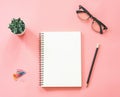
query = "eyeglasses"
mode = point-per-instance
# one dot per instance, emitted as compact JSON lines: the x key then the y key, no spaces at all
{"x":97,"y":25}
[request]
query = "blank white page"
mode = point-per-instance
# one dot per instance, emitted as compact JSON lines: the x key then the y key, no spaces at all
{"x":62,"y":59}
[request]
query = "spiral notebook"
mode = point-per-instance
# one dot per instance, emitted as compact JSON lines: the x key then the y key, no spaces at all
{"x":60,"y":59}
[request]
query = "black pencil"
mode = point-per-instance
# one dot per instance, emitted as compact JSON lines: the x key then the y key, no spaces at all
{"x":90,"y":72}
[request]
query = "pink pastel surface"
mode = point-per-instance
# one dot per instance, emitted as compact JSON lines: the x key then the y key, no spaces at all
{"x":59,"y":15}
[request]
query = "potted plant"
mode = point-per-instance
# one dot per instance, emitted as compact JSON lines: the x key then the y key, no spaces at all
{"x":17,"y":26}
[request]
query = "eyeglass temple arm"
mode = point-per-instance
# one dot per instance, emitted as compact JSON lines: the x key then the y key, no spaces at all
{"x":85,"y":10}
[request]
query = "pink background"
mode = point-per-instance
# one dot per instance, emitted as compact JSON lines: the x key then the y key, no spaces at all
{"x":59,"y":15}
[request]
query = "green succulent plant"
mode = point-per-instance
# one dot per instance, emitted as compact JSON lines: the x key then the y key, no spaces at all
{"x":17,"y":26}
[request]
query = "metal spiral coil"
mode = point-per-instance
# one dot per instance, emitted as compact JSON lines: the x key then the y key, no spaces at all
{"x":41,"y":59}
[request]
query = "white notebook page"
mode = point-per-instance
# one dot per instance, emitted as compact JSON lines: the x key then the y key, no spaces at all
{"x":62,"y":59}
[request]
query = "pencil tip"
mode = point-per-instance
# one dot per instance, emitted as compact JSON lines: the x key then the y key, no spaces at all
{"x":86,"y":85}
{"x":98,"y":45}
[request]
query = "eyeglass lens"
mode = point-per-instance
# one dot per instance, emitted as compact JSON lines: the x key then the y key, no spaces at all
{"x":83,"y":16}
{"x":95,"y":26}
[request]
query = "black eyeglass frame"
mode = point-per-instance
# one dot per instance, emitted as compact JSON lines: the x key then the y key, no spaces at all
{"x":94,"y":18}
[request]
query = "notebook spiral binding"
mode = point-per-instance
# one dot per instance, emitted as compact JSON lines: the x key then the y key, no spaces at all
{"x":41,"y":59}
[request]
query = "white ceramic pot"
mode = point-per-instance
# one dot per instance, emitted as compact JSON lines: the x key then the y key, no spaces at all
{"x":21,"y":33}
